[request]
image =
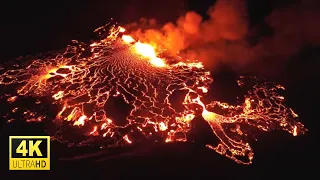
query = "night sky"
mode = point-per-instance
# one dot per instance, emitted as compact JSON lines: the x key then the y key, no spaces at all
{"x":29,"y":28}
{"x":51,"y":25}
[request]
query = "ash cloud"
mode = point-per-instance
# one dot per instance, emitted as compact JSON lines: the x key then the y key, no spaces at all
{"x":226,"y":37}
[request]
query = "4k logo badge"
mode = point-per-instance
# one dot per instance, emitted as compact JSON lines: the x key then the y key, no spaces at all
{"x":29,"y":153}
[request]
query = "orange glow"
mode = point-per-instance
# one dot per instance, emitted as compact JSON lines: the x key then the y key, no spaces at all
{"x":127,"y":39}
{"x":94,"y":132}
{"x":80,"y":121}
{"x":58,"y":95}
{"x":204,"y":89}
{"x":121,"y":29}
{"x":12,"y":99}
{"x":162,"y":126}
{"x":148,"y":51}
{"x":126,"y":138}
{"x":295,"y":132}
{"x":145,"y":50}
{"x":132,"y":70}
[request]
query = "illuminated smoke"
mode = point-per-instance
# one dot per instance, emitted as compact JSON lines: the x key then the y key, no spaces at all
{"x":226,"y":37}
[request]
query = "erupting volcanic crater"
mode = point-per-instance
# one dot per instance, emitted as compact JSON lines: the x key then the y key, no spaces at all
{"x":119,"y":91}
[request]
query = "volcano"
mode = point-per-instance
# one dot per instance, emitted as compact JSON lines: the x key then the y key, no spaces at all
{"x":119,"y":91}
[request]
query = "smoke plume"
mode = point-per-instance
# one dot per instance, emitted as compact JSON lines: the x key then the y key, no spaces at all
{"x":225,"y":38}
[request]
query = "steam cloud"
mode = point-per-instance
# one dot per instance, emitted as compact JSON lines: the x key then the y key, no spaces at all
{"x":226,"y":37}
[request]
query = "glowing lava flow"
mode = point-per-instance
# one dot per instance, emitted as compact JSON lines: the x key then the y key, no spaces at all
{"x":83,"y":79}
{"x":146,"y":50}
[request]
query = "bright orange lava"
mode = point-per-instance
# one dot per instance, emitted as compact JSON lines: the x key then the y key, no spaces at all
{"x":145,"y":50}
{"x":81,"y":85}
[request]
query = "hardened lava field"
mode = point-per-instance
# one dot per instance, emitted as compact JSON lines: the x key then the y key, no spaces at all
{"x":163,"y":96}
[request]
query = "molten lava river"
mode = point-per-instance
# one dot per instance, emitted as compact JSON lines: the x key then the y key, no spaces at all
{"x":71,"y":90}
